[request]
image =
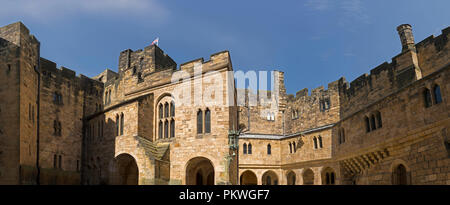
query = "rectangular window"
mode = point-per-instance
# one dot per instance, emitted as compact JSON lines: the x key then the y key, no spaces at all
{"x":60,"y":162}
{"x":54,"y":161}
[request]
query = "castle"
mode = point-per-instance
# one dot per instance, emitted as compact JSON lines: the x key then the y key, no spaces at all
{"x":128,"y":127}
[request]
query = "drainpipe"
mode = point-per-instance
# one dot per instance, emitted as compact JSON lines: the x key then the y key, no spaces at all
{"x":248,"y":115}
{"x":284,"y":122}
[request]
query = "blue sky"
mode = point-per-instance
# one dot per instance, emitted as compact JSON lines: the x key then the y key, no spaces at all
{"x":313,"y":41}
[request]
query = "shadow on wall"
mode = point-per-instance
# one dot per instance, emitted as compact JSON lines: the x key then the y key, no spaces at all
{"x":199,"y":171}
{"x":100,"y":166}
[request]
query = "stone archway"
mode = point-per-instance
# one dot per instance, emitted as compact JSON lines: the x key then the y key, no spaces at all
{"x":248,"y":178}
{"x":291,"y":178}
{"x":270,"y":178}
{"x":328,"y":176}
{"x":125,"y":171}
{"x":308,"y":177}
{"x":400,"y":175}
{"x":199,"y":171}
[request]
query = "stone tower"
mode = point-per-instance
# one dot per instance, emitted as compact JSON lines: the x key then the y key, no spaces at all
{"x":407,"y":60}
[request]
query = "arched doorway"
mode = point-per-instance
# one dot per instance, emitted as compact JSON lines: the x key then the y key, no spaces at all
{"x":400,"y":175}
{"x":125,"y":170}
{"x":291,"y":178}
{"x":270,"y":178}
{"x":308,"y":177}
{"x":248,"y":178}
{"x":199,"y":171}
{"x":328,"y":176}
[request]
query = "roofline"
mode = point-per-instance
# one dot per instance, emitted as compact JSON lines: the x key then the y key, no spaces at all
{"x":281,"y":137}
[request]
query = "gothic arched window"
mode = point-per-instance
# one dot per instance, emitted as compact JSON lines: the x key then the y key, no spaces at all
{"x":160,"y":130}
{"x":117,"y":125}
{"x":199,"y":122}
{"x":166,"y":109}
{"x":160,"y":110}
{"x":244,"y":147}
{"x":249,"y":148}
{"x":366,"y":119}
{"x":207,"y":121}
{"x":372,"y":123}
{"x":427,"y":97}
{"x":269,"y":149}
{"x":315,"y":142}
{"x":172,"y":128}
{"x":166,"y":129}
{"x":379,"y":121}
{"x":121,"y":123}
{"x":172,"y":109}
{"x":320,"y":142}
{"x":437,"y":94}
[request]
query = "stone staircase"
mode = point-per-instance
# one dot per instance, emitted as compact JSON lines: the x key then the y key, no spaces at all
{"x":153,"y":150}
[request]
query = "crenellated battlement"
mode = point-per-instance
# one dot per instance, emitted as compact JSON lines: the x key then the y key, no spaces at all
{"x":438,"y":42}
{"x":413,"y":63}
{"x":316,"y":92}
{"x":382,"y":74}
{"x":18,"y":34}
{"x":216,"y":61}
{"x":53,"y":75}
{"x":144,"y":61}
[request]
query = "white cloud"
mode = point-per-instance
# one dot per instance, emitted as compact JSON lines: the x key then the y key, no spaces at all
{"x":348,"y":10}
{"x":55,"y":9}
{"x":349,"y":54}
{"x":320,"y":5}
{"x":354,"y":9}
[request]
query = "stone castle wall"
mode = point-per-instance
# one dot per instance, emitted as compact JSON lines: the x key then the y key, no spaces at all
{"x":412,"y":134}
{"x":316,"y":138}
{"x":20,"y":53}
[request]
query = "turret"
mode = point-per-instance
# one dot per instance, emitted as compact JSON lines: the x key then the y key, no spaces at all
{"x":406,"y":37}
{"x":407,"y":61}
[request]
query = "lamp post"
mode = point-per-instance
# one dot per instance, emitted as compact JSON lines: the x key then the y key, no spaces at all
{"x":233,"y":144}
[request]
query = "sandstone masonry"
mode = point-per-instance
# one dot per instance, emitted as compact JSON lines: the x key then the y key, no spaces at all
{"x":128,"y":127}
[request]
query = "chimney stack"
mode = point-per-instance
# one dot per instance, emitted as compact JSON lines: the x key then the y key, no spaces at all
{"x":406,"y":37}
